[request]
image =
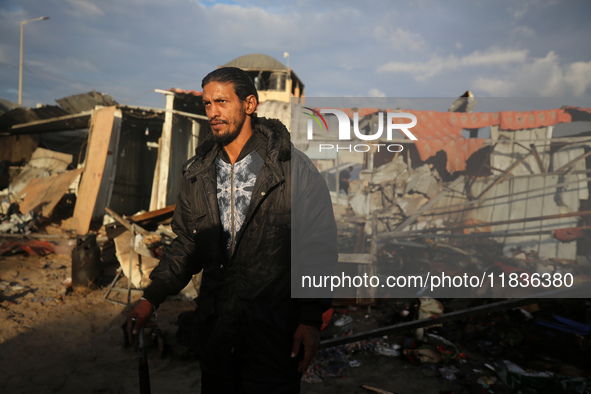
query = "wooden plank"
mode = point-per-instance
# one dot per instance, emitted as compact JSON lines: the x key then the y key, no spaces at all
{"x":60,"y":123}
{"x":96,"y":156}
{"x":164,"y":153}
{"x":103,"y":198}
{"x":155,"y":181}
{"x":43,"y":194}
{"x":152,"y":214}
{"x":538,"y":158}
{"x":125,"y":222}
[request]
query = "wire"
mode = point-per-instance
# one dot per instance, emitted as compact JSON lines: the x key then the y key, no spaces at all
{"x":75,"y":85}
{"x":128,"y":99}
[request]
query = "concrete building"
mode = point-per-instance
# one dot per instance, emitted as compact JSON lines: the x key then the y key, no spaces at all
{"x":273,"y":80}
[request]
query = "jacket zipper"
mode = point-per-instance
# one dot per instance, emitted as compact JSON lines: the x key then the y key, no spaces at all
{"x":232,"y":205}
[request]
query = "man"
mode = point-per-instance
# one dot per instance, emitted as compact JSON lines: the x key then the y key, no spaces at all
{"x":344,"y":178}
{"x":233,"y":220}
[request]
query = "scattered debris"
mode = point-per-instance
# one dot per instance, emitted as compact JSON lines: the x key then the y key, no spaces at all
{"x":32,"y":247}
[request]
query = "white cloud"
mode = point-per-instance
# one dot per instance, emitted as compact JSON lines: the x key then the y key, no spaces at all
{"x":519,"y":9}
{"x":422,"y":71}
{"x":494,"y":57}
{"x":400,"y":39}
{"x":523,"y":32}
{"x":546,"y":77}
{"x":376,"y":93}
{"x":83,"y":8}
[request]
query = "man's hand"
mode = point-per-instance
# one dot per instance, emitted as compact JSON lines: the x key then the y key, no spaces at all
{"x":141,"y":313}
{"x":310,"y":337}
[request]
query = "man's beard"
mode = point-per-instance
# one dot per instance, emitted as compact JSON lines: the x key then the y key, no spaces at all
{"x":231,"y":135}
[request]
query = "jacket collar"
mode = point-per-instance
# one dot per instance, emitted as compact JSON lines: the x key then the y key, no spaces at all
{"x":271,"y":130}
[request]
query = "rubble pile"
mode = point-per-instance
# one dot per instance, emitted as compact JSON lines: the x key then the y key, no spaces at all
{"x":392,"y":193}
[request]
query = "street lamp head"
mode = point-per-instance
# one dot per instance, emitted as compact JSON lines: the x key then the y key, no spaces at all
{"x":42,"y":18}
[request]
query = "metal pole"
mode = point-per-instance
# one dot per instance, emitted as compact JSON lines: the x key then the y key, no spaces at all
{"x":20,"y":76}
{"x":131,"y":250}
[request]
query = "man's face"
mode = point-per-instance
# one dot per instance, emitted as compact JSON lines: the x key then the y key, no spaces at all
{"x":225,"y":111}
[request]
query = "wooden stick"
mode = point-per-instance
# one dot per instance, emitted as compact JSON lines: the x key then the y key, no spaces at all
{"x":126,"y":222}
{"x":375,"y":389}
{"x":537,"y":157}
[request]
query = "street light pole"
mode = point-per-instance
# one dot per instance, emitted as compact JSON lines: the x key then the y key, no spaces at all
{"x":20,"y":77}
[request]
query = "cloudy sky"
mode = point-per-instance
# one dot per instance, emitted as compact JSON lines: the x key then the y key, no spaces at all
{"x":423,"y":48}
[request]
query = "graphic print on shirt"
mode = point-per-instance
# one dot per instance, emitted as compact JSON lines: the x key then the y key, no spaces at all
{"x":235,"y":184}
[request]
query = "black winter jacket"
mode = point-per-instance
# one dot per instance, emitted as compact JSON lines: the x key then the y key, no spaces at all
{"x":262,"y":267}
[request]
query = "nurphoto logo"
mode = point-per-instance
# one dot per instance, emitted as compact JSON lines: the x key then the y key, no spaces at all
{"x":345,"y":129}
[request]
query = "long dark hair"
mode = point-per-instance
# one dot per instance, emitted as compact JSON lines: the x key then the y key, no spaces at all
{"x":243,"y":85}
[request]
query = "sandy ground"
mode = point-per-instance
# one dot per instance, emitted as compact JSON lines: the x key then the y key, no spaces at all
{"x":53,"y":342}
{"x":56,"y":343}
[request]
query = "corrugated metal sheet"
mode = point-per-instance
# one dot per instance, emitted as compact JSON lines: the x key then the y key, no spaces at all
{"x":27,"y":115}
{"x":85,"y":102}
{"x":68,"y":105}
{"x":506,"y":151}
{"x":518,"y":198}
{"x":135,"y":162}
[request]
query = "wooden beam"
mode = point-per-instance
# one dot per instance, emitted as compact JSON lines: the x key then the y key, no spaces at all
{"x":60,"y":123}
{"x":126,"y":222}
{"x":156,"y":179}
{"x":164,"y":154}
{"x":96,"y":156}
{"x":152,"y":214}
{"x":534,"y":150}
